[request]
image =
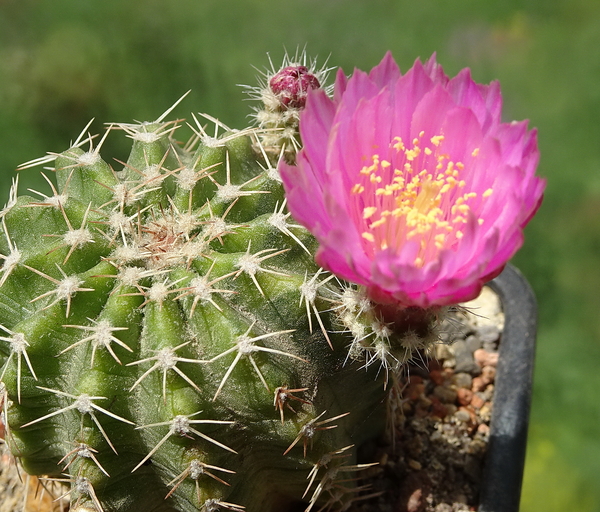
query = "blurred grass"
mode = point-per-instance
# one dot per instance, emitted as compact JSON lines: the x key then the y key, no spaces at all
{"x":67,"y":61}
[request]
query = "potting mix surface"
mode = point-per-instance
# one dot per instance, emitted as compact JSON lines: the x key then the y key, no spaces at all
{"x":434,"y":460}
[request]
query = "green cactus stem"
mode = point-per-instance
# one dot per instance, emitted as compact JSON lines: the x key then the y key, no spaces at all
{"x":168,"y":342}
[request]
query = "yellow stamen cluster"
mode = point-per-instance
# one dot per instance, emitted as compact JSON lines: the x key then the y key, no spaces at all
{"x":417,"y":194}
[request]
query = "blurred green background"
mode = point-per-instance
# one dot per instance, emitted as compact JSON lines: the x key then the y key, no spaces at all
{"x":63,"y":62}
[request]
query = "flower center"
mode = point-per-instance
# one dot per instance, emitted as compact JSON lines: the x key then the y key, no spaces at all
{"x":417,"y":195}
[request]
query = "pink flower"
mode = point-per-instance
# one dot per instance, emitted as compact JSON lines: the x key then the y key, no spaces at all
{"x":411,"y":184}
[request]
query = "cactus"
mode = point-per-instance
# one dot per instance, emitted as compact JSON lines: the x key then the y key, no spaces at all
{"x":169,"y":343}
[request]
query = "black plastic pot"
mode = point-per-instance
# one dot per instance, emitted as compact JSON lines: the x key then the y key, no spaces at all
{"x":505,"y":459}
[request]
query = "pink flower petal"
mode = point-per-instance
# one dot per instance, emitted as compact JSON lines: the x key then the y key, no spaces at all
{"x":412,"y":185}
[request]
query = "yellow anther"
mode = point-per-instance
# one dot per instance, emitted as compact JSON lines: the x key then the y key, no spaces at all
{"x":428,"y":151}
{"x":378,"y":223}
{"x":399,"y":145}
{"x":369,"y":211}
{"x":475,"y":152}
{"x":459,"y":234}
{"x":421,"y":133}
{"x":411,"y":154}
{"x":385,"y":164}
{"x":437,"y":140}
{"x":358,"y":189}
{"x":488,"y":192}
{"x":374,"y":178}
{"x":368,"y":236}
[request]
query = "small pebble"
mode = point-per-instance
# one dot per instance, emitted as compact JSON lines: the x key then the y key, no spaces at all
{"x":486,"y":411}
{"x":445,"y":394}
{"x":485,"y":358}
{"x":448,"y":372}
{"x":483,"y":429}
{"x":442,"y":352}
{"x":477,"y":400}
{"x":473,"y":342}
{"x":464,"y":358}
{"x":488,"y":374}
{"x":464,"y":396}
{"x":438,"y":409}
{"x":485,"y":309}
{"x":450,"y":409}
{"x":462,"y":380}
{"x":488,"y":333}
{"x":437,"y":377}
{"x":478,"y":384}
{"x":415,"y":501}
{"x":462,"y":416}
{"x":415,"y":464}
{"x":415,"y":390}
{"x":491,"y":346}
{"x":469,"y":410}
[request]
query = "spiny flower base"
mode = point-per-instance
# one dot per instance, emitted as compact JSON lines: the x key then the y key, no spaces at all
{"x":168,"y":342}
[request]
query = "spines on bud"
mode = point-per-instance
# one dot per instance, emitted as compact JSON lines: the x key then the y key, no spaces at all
{"x":282,"y":93}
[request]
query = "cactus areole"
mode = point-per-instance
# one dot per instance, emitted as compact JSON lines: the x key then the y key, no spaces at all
{"x":168,"y":342}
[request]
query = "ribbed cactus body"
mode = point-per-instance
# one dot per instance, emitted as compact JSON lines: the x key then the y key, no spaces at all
{"x":168,"y":341}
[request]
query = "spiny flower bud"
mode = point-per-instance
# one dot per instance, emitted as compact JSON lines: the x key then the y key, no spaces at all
{"x":282,"y":93}
{"x":291,"y":85}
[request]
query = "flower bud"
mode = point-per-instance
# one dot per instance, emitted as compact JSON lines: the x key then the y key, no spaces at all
{"x":291,"y":85}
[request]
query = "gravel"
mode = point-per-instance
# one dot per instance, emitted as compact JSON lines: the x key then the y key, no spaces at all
{"x":433,"y":460}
